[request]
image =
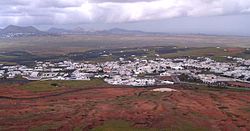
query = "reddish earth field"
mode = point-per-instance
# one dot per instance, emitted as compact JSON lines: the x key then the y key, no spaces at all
{"x":69,"y":109}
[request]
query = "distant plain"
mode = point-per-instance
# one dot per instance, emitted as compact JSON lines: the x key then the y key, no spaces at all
{"x":58,"y":45}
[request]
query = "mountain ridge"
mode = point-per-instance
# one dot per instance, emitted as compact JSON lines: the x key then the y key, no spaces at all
{"x":21,"y":31}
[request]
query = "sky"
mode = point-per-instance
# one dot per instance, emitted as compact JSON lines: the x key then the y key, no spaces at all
{"x":225,"y":17}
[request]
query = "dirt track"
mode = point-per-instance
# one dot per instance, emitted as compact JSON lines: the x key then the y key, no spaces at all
{"x":88,"y":108}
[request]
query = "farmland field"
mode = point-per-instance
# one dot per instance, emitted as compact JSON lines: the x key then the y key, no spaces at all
{"x":61,"y":45}
{"x":26,"y":50}
{"x":102,"y":55}
{"x":39,"y":86}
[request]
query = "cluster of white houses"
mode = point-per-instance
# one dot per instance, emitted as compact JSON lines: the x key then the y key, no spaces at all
{"x":139,"y":72}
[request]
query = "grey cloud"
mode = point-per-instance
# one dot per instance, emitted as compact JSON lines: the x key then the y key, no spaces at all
{"x":42,"y":12}
{"x":13,"y":2}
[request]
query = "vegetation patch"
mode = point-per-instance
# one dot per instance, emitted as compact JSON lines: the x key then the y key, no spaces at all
{"x":120,"y":125}
{"x":246,"y":109}
{"x":196,"y":52}
{"x":39,"y":86}
{"x":186,"y":126}
{"x":44,"y":128}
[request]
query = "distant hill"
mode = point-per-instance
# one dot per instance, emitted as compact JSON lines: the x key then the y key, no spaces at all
{"x":12,"y":31}
{"x":19,"y":29}
{"x":122,"y":32}
{"x":113,"y":31}
{"x":59,"y":31}
{"x":77,"y":30}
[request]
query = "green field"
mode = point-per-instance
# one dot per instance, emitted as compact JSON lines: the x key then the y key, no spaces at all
{"x":61,"y":45}
{"x":120,"y":125}
{"x":39,"y":86}
{"x":196,"y":52}
{"x":218,"y":54}
{"x":44,"y":128}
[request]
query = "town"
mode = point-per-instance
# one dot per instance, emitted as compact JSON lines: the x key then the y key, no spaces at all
{"x":139,"y":72}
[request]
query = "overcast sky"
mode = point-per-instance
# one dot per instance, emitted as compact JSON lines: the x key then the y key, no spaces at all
{"x":173,"y":16}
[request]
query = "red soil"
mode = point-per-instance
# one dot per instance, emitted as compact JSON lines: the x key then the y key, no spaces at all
{"x":215,"y":110}
{"x":238,"y":84}
{"x":234,"y":50}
